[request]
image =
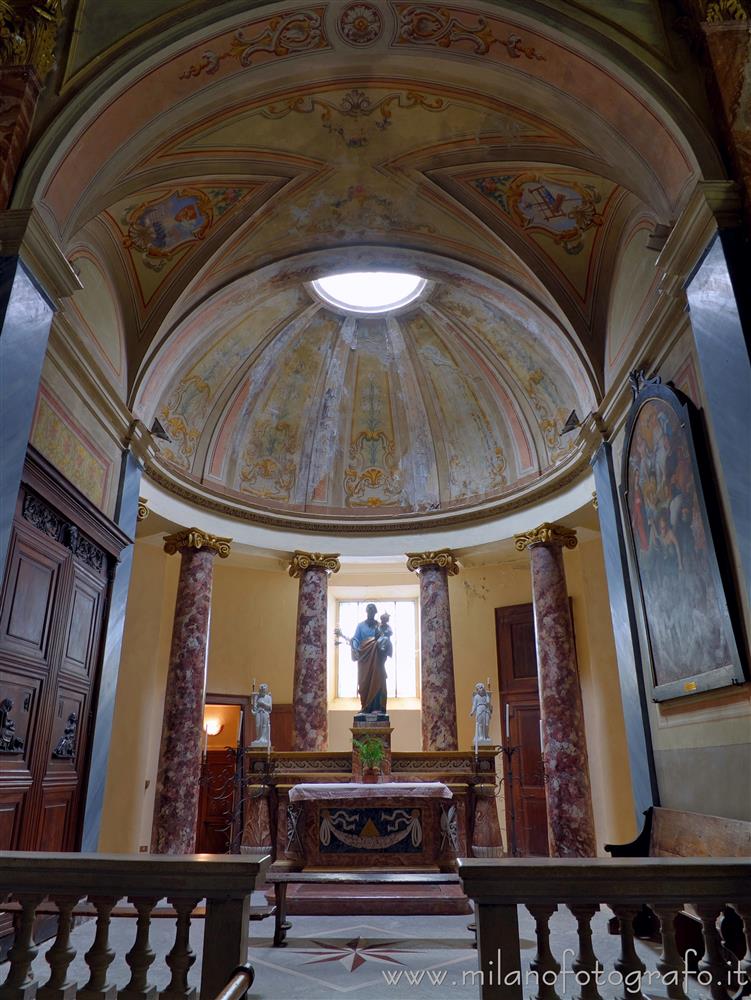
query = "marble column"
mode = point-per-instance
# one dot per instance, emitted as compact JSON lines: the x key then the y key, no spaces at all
{"x":176,"y":801}
{"x":564,"y":746}
{"x":436,"y":653}
{"x":310,"y":718}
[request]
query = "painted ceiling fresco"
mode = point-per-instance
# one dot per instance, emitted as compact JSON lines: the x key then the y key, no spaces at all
{"x":457,"y":400}
{"x":471,"y":133}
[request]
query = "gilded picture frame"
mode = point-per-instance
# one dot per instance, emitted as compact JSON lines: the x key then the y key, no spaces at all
{"x":686,"y":598}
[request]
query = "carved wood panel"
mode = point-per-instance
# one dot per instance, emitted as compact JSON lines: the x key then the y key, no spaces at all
{"x":51,"y":611}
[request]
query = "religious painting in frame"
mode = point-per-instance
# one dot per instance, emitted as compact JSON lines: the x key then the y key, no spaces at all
{"x":686,"y":612}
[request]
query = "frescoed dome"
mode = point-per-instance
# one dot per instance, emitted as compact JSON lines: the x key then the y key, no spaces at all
{"x":451,"y":398}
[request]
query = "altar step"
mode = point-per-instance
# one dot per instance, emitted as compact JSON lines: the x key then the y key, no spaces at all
{"x":374,"y":900}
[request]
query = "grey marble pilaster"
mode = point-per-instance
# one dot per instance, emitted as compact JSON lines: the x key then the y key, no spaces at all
{"x":25,"y":318}
{"x":125,"y":516}
{"x":625,"y":633}
{"x":718,"y":296}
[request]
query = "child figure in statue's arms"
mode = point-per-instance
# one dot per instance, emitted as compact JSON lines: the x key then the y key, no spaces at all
{"x":384,"y":633}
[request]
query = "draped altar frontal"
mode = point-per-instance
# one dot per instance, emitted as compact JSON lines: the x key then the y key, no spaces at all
{"x":390,"y":825}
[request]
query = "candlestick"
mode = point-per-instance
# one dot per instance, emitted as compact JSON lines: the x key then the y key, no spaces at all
{"x":254,"y":684}
{"x":488,"y":685}
{"x":508,"y":732}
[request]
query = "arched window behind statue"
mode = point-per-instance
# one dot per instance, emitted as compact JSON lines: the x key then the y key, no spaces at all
{"x":402,"y":668}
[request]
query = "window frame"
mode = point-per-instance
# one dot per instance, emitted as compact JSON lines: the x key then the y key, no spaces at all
{"x":341,"y":595}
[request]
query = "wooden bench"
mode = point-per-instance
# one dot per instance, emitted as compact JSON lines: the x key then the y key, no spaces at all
{"x":281,"y":879}
{"x":673,"y":833}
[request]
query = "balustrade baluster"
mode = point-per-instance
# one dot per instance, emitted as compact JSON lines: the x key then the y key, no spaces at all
{"x":744,"y":912}
{"x":628,"y":964}
{"x":544,"y":962}
{"x":713,"y":962}
{"x":20,"y":984}
{"x":669,"y":964}
{"x":61,"y":954}
{"x":141,"y":955}
{"x":99,"y":956}
{"x":585,"y":963}
{"x":182,"y":956}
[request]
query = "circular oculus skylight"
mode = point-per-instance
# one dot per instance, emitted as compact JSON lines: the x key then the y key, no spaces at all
{"x":369,"y":291}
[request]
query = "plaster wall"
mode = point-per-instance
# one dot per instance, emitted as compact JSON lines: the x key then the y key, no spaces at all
{"x":253,"y":633}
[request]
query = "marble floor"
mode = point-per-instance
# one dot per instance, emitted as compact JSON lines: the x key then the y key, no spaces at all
{"x":397,"y":957}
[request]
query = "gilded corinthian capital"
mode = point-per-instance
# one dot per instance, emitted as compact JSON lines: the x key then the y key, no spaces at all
{"x":28,"y":33}
{"x":443,"y":559}
{"x":547,"y":534}
{"x":194,"y":538}
{"x":306,"y":560}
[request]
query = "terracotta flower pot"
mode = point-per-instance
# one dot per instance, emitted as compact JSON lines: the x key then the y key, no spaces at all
{"x":371,"y":776}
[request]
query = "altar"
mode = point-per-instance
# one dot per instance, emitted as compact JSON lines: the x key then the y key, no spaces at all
{"x":395,"y":824}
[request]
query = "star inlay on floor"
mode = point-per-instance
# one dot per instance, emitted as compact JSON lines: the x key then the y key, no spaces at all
{"x":356,"y":952}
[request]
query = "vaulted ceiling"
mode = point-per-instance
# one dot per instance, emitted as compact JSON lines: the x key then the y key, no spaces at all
{"x":201,"y":190}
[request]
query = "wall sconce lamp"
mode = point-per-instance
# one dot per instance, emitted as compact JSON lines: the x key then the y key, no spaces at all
{"x":213,"y":727}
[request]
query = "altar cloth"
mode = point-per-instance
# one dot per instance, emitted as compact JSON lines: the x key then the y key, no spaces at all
{"x":358,"y":790}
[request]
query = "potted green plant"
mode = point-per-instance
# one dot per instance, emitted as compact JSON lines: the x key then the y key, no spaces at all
{"x":372,"y":753}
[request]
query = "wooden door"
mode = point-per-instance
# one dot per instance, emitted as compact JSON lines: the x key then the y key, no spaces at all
{"x":51,"y":613}
{"x":526,"y":812}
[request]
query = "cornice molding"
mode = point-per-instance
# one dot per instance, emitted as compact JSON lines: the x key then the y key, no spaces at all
{"x":441,"y":558}
{"x":575,"y":468}
{"x":714,"y":205}
{"x":302,"y":561}
{"x":547,"y":534}
{"x":23,"y":234}
{"x":194,"y":538}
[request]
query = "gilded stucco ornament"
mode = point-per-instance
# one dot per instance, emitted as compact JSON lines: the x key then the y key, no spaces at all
{"x":442,"y":558}
{"x":547,"y":534}
{"x":143,"y":509}
{"x":725,"y":10}
{"x":194,"y":538}
{"x":28,"y":33}
{"x":306,"y":560}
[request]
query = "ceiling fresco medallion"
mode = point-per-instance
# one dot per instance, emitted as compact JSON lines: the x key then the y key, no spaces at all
{"x":161,"y":228}
{"x":360,"y":24}
{"x":561,"y":210}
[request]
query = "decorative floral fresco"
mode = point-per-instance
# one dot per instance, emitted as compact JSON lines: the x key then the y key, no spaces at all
{"x":426,"y":24}
{"x":71,"y":453}
{"x":289,"y":33}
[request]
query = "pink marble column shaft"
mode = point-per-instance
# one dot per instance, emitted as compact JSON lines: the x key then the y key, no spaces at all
{"x":437,"y":657}
{"x":310,"y":703}
{"x":564,"y":746}
{"x":177,"y":786}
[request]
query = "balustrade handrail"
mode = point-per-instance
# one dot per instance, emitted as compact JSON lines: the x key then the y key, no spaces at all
{"x":213,"y":876}
{"x":667,"y":885}
{"x":224,"y":881}
{"x":564,"y":880}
